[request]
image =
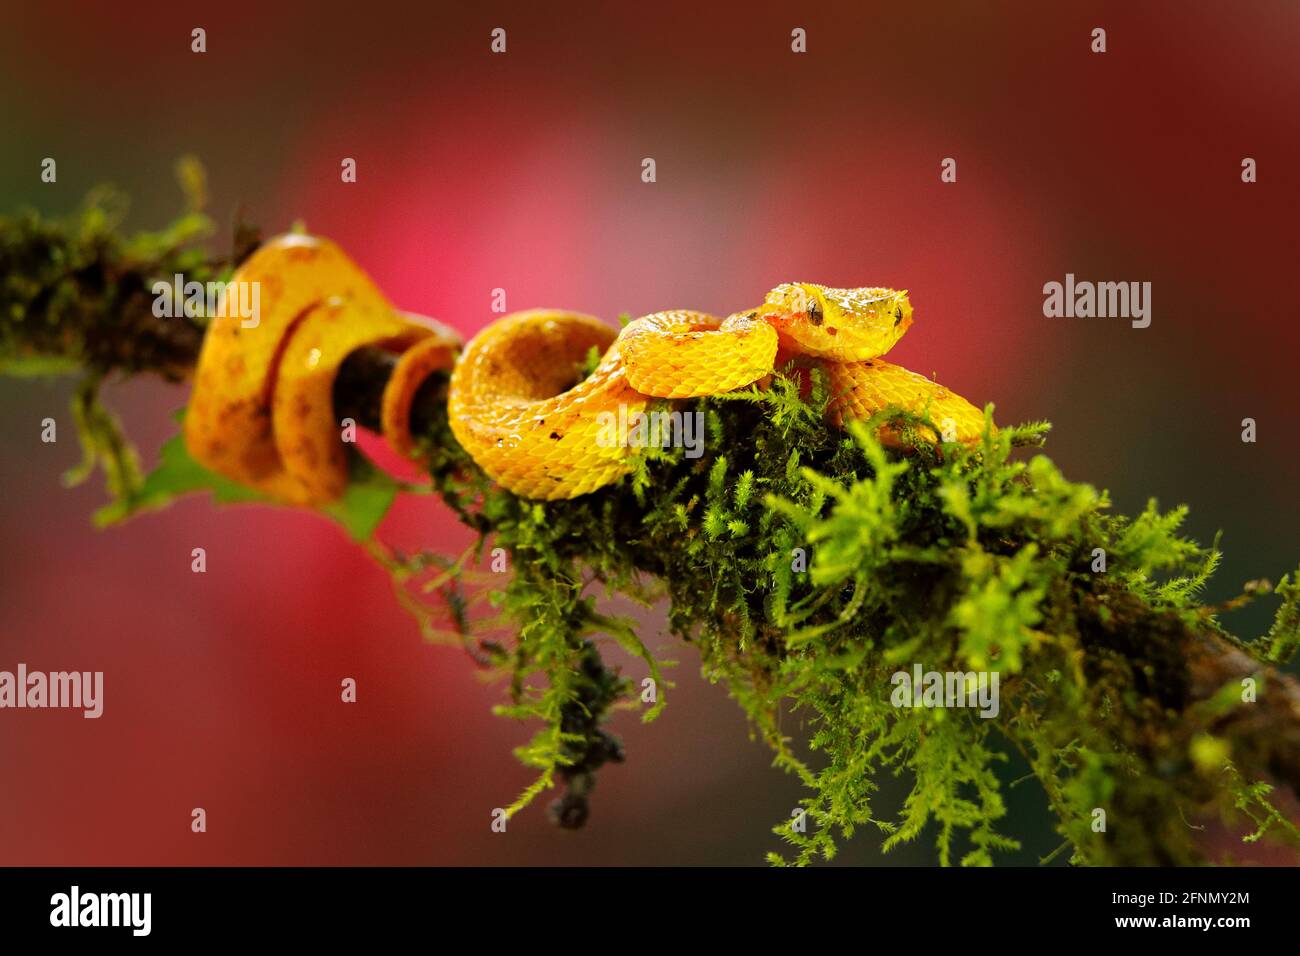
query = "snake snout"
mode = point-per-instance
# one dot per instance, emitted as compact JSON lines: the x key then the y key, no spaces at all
{"x":902,"y":313}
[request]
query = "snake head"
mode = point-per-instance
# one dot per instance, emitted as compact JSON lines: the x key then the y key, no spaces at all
{"x":844,"y":325}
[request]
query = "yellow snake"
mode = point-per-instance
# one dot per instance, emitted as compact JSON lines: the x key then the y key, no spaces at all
{"x":262,"y":411}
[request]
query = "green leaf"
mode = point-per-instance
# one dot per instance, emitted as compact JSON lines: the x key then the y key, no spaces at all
{"x":369,"y":495}
{"x":177,"y":474}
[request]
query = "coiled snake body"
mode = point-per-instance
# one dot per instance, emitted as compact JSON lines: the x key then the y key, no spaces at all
{"x":262,"y":413}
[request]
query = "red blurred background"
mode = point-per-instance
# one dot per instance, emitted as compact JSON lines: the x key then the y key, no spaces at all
{"x":522,"y":171}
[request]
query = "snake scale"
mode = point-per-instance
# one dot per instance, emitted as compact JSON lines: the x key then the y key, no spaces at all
{"x":261,"y":412}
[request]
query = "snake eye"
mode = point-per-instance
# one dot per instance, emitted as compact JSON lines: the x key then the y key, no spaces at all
{"x":815,"y":312}
{"x":898,"y":314}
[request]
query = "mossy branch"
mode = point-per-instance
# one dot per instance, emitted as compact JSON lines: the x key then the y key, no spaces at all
{"x":808,"y":566}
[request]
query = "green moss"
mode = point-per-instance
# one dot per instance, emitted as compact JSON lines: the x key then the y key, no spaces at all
{"x":958,"y":559}
{"x":75,"y":298}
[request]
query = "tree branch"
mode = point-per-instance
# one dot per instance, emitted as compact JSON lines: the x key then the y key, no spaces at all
{"x":84,"y":303}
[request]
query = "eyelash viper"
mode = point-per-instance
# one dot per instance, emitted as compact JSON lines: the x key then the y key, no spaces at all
{"x":261,"y":412}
